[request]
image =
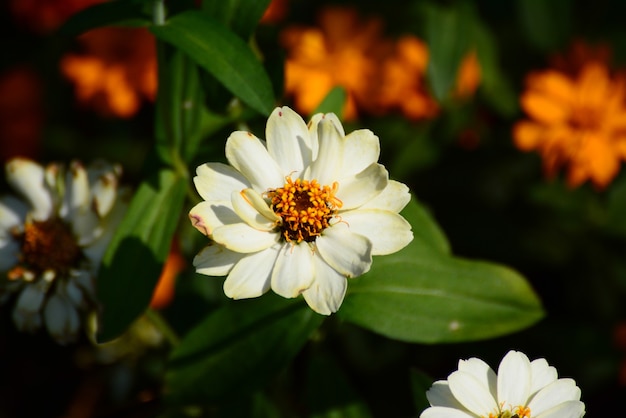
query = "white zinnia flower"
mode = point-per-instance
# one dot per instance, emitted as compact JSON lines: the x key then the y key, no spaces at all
{"x":521,"y":389}
{"x":52,"y":242}
{"x":300,"y":213}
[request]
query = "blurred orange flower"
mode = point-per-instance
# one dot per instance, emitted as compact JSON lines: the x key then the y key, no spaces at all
{"x":164,"y":290}
{"x":378,"y":74}
{"x":117,"y":71}
{"x":275,"y":12}
{"x":575,"y":121}
{"x":44,"y":16}
{"x":21,"y":113}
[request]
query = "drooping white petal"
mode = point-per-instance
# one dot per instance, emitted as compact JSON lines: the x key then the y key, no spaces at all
{"x":325,"y":168}
{"x":569,"y":409}
{"x":394,"y":198}
{"x":514,"y":379}
{"x":61,"y":319}
{"x":247,"y":154}
{"x":294,"y":270}
{"x":361,"y":149}
{"x":362,"y":187}
{"x":481,"y":371}
{"x":472,"y":393}
{"x":557,"y":392}
{"x":12,"y":214}
{"x":250,"y":277}
{"x":9,"y":252}
{"x":216,"y":181}
{"x":331,"y":117}
{"x":345,"y":251}
{"x":26,"y":314}
{"x":388,"y":231}
{"x":76,"y":198}
{"x":242,"y":238}
{"x":253,"y":210}
{"x":327,"y":291}
{"x":215,"y":260}
{"x":27,"y":177}
{"x":208,"y":215}
{"x":104,"y":192}
{"x":443,"y":412}
{"x":440,"y":394}
{"x":288,"y":141}
{"x":542,"y":374}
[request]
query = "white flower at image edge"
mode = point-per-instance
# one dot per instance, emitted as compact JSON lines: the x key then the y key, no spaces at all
{"x":521,"y":389}
{"x":52,"y":240}
{"x":299,"y":213}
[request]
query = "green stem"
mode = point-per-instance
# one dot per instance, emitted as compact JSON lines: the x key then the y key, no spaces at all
{"x":158,"y":321}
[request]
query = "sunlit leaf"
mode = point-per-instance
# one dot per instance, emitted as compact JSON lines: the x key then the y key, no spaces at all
{"x":221,"y":53}
{"x":236,"y":349}
{"x":427,"y":234}
{"x":333,"y":102}
{"x":134,"y":259}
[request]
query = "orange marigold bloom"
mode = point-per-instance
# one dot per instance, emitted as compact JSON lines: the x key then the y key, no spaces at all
{"x":468,"y":77}
{"x":117,"y":71}
{"x":578,"y":122}
{"x":164,"y":290}
{"x":43,"y":16}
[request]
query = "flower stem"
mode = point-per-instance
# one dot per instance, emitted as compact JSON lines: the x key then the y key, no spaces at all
{"x":162,"y":325}
{"x":158,"y":12}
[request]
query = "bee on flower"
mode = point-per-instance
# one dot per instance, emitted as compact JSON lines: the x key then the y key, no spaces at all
{"x":300,"y":213}
{"x":52,"y":239}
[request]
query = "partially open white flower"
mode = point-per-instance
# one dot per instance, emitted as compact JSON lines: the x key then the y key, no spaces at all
{"x":521,"y":389}
{"x":300,"y":213}
{"x":52,"y":242}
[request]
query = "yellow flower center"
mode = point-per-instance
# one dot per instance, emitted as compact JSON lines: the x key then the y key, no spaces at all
{"x":47,"y":245}
{"x":305,"y":208}
{"x":517,"y":412}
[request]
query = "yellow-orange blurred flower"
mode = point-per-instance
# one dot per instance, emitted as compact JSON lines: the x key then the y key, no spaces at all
{"x":576,"y":121}
{"x":275,"y":12}
{"x":21,"y":113}
{"x":468,"y":76}
{"x":164,"y":290}
{"x":117,"y":71}
{"x":43,"y":16}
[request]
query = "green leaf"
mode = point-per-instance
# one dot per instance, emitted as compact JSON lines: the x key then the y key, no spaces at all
{"x":333,"y":102}
{"x":119,"y":12}
{"x":424,"y":297}
{"x":427,"y":234}
{"x":446,"y":36}
{"x":236,"y":349}
{"x":133,"y":261}
{"x":547,"y":24}
{"x":420,"y":383}
{"x":221,"y":53}
{"x":241,"y":16}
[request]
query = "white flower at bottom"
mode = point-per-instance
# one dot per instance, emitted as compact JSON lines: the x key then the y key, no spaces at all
{"x":299,"y":213}
{"x":52,"y":242}
{"x":521,"y":389}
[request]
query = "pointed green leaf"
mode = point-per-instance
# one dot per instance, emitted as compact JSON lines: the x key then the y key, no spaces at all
{"x":241,"y":16}
{"x":333,"y":102}
{"x":430,"y":298}
{"x":221,"y":53}
{"x":236,"y":349}
{"x":427,"y":234}
{"x":133,"y":261}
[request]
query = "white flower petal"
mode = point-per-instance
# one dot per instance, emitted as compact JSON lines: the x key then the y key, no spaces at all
{"x":247,"y":154}
{"x":325,"y":168}
{"x":327,"y":291}
{"x":316,"y":118}
{"x":9,"y":253}
{"x":472,"y":393}
{"x":348,"y":253}
{"x":76,"y":199}
{"x":569,"y":409}
{"x":288,"y":141}
{"x":104,"y":192}
{"x":215,"y":260}
{"x":216,"y":181}
{"x":206,"y":216}
{"x":393,"y":198}
{"x":361,"y":149}
{"x":294,"y":270}
{"x":242,"y":238}
{"x":542,"y":374}
{"x":362,"y":187}
{"x":250,"y":277}
{"x":61,"y":319}
{"x":481,"y":371}
{"x":514,"y":379}
{"x":388,"y":231}
{"x":440,"y":394}
{"x":95,"y":250}
{"x":253,"y":210}
{"x":27,"y":177}
{"x":12,"y":214}
{"x":443,"y":412}
{"x":557,"y":392}
{"x":26,"y":314}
